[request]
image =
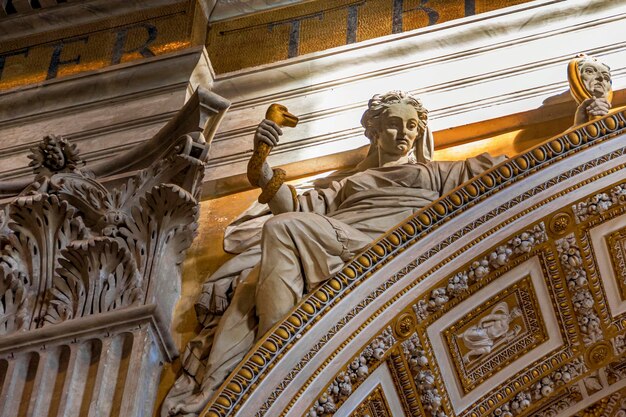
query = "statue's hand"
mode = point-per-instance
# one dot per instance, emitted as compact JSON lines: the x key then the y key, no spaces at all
{"x":267,"y":132}
{"x":590,"y":108}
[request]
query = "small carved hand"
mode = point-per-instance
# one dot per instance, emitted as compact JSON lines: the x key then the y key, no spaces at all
{"x":267,"y":132}
{"x":590,"y":108}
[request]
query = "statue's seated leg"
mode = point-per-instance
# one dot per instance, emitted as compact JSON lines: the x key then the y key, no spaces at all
{"x":299,"y":251}
{"x":233,"y":338}
{"x":235,"y":332}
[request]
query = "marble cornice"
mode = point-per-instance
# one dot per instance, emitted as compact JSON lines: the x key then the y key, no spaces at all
{"x":388,"y":54}
{"x":124,"y":82}
{"x":104,"y":111}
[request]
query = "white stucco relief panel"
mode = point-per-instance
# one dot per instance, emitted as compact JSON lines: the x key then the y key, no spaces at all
{"x":532,"y":268}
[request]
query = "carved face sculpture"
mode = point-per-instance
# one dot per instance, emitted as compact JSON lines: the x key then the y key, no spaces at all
{"x":398,"y":129}
{"x":596,"y":78}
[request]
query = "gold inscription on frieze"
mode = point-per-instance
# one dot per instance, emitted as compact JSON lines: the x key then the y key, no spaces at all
{"x":306,"y":27}
{"x":93,"y":50}
{"x":495,"y":334}
{"x":616,"y":243}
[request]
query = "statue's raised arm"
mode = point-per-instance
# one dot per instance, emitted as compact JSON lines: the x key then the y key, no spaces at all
{"x":280,"y":197}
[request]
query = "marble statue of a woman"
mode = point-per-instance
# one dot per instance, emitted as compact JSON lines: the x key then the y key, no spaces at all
{"x":310,"y":236}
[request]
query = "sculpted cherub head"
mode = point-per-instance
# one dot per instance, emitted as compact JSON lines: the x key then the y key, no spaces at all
{"x":589,"y":78}
{"x":396,"y":125}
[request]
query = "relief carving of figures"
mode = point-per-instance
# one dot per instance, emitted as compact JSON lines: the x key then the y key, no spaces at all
{"x":491,"y":331}
{"x":290,"y":246}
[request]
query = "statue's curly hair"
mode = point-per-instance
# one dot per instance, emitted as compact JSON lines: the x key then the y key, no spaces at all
{"x":584,"y":59}
{"x":381,"y":102}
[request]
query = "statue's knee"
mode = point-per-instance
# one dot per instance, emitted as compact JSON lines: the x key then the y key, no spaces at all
{"x":283,"y":222}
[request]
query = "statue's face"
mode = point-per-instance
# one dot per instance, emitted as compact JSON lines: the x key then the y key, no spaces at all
{"x":596,"y":79}
{"x":398,"y":129}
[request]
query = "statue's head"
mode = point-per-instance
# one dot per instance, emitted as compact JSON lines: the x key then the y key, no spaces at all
{"x":516,"y":312}
{"x":396,"y":124}
{"x":589,"y":78}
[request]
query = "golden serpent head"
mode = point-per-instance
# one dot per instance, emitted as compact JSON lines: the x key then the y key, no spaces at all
{"x":281,"y":116}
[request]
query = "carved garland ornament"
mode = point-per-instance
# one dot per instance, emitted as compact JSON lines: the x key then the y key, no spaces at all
{"x":541,"y":389}
{"x":600,"y":203}
{"x":576,"y":276}
{"x":459,"y":283}
{"x":422,"y":375}
{"x":351,"y":376}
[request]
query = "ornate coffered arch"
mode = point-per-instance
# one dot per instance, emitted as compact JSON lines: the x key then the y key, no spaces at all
{"x":505,"y":297}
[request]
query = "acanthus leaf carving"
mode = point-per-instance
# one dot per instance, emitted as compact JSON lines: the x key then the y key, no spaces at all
{"x":173,"y":170}
{"x":15,"y":296}
{"x":84,"y":193}
{"x":71,"y":247}
{"x":41,"y":227}
{"x":95,"y":276}
{"x":160,"y":230}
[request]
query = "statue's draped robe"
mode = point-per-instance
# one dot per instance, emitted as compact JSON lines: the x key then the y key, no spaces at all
{"x":351,"y":213}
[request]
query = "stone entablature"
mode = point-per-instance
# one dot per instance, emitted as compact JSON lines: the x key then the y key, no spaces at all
{"x":106,"y":113}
